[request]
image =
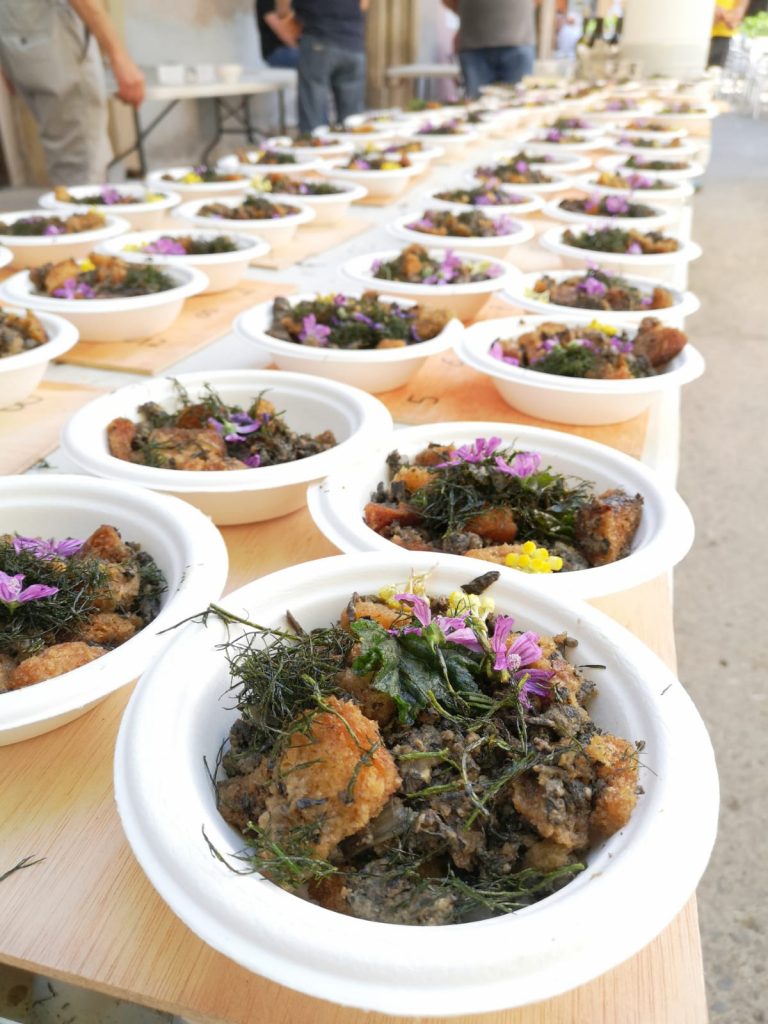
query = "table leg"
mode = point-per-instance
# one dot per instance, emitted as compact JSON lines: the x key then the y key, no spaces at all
{"x":141,"y":135}
{"x":281,"y":110}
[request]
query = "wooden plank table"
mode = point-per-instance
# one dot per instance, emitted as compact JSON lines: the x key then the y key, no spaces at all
{"x":87,"y":915}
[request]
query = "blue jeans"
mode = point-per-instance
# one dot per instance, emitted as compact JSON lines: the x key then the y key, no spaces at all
{"x":494,"y":64}
{"x":284,"y":57}
{"x":325,"y":68}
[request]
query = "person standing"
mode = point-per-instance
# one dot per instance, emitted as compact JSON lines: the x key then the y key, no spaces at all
{"x":49,"y":50}
{"x":496,"y":41}
{"x":279,"y":36}
{"x":728,"y":16}
{"x":331,"y":57}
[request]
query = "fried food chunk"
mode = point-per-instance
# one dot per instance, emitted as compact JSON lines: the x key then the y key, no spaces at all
{"x":107,"y":544}
{"x":335,"y":774}
{"x":606,"y":526}
{"x":378,"y":517}
{"x":557,"y":799}
{"x":7,"y":665}
{"x":366,"y":608}
{"x":122,"y":589}
{"x":496,"y":524}
{"x":658,"y":343}
{"x":176,"y":448}
{"x":121,"y":433}
{"x":241,"y":799}
{"x":413,"y":477}
{"x":53,"y":661}
{"x":375,"y":705}
{"x":617,"y":778}
{"x":108,"y":629}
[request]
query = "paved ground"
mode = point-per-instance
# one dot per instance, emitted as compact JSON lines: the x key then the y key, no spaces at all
{"x":722,"y":587}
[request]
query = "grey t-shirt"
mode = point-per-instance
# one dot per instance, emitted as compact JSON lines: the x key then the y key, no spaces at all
{"x":495,"y":23}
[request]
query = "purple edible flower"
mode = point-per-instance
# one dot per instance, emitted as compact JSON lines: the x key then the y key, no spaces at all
{"x":236,"y":427}
{"x":376,"y":266}
{"x":616,"y":205}
{"x":482,"y":449}
{"x":253,"y":461}
{"x":314,"y":333}
{"x":72,"y":289}
{"x":634,"y":248}
{"x":47,"y":549}
{"x":52,"y":229}
{"x":166,"y":246}
{"x":591,"y":286}
{"x":553,"y":135}
{"x":12,"y":593}
{"x":647,"y":301}
{"x":422,"y":224}
{"x":493,"y":270}
{"x":109,"y":196}
{"x":522,"y":465}
{"x":639,"y":181}
{"x":497,"y":352}
{"x":504,"y":624}
{"x":505,"y":225}
{"x":521,"y":166}
{"x":339,"y":299}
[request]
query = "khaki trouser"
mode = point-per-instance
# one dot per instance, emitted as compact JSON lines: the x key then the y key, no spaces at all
{"x":56,"y":67}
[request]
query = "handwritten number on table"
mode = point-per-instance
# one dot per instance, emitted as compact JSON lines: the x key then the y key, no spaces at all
{"x":25,"y":403}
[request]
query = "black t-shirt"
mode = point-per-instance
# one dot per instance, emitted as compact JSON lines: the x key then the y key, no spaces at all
{"x":269,"y":41}
{"x":340,"y":22}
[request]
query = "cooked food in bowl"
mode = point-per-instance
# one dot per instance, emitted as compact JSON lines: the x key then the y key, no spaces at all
{"x":595,"y":351}
{"x":558,"y":137}
{"x":469,"y":224}
{"x":377,"y":160}
{"x":501,"y":505}
{"x":642,"y":163}
{"x":346,"y":322}
{"x":257,"y":157}
{"x":107,"y":195}
{"x":517,"y":170}
{"x":631,"y":182}
{"x":607,"y":206}
{"x":20,"y":333}
{"x":203,"y":175}
{"x":455,"y":126}
{"x":209,"y":435}
{"x":649,"y":143}
{"x":185,"y":245}
{"x":99,"y":277}
{"x":50,"y":224}
{"x":596,"y":289}
{"x":649,"y":126}
{"x":631,"y":242}
{"x":414,"y":265}
{"x":252,"y":208}
{"x":65,"y":603}
{"x":288,"y":184}
{"x":420,"y":760}
{"x":481,"y":195}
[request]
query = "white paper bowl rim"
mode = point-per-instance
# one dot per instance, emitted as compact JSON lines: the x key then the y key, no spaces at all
{"x":188,"y":212}
{"x":472,"y":347}
{"x":251,"y":325}
{"x":530,"y":203}
{"x":467,"y":968}
{"x":351,"y":192}
{"x":49,"y":201}
{"x":615,"y":163}
{"x":357,"y":267}
{"x":330,"y":168}
{"x":686,"y":253}
{"x":249,"y":247}
{"x":521,"y":234}
{"x":113,"y":226}
{"x":190,"y":281}
{"x":186,"y":529}
{"x":666,"y":532}
{"x":62,"y":336}
{"x":155,"y":180}
{"x":681,"y":189}
{"x":84,"y":435}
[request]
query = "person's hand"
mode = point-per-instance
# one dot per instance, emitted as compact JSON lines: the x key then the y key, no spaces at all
{"x":129,"y":78}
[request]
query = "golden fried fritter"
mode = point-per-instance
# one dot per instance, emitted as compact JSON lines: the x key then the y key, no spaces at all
{"x":616,"y":791}
{"x":53,"y":661}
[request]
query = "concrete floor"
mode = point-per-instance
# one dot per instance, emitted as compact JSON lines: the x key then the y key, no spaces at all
{"x":722,"y":587}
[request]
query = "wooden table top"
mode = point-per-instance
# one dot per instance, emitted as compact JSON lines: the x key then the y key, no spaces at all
{"x":87,"y":914}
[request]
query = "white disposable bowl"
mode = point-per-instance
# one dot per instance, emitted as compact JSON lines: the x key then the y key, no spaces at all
{"x":663,"y":539}
{"x":536,"y":143}
{"x":199,"y":190}
{"x":34,"y":250}
{"x":302,"y":166}
{"x":140,"y":215}
{"x":380,"y":184}
{"x":575,"y":400}
{"x":573,"y":256}
{"x":531,"y":203}
{"x":513,"y":960}
{"x":678,"y":195}
{"x":561,"y":162}
{"x":6,"y":256}
{"x":373,"y":370}
{"x":464,"y":300}
{"x":185,"y":545}
{"x":223,"y":269}
{"x":20,"y":374}
{"x":644,"y":133}
{"x":127,"y":319}
{"x":707,"y":113}
{"x":614,"y":163}
{"x":557,"y":183}
{"x":336,"y":148}
{"x":330,"y":209}
{"x":454,"y":146}
{"x":659,"y":219}
{"x":685,"y":304}
{"x":687,"y":151}
{"x":500,"y":246}
{"x":279,"y":231}
{"x":311,"y":405}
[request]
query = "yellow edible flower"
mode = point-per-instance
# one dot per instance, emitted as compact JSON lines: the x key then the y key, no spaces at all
{"x":86,"y":265}
{"x":390,"y":165}
{"x":477,"y":605}
{"x":417,"y":584}
{"x":153,"y":197}
{"x":533,"y":559}
{"x":603,"y":328}
{"x":190,"y":178}
{"x":133,"y":247}
{"x":261,"y":184}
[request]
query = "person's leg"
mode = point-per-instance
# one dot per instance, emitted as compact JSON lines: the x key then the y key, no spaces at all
{"x":348,"y":82}
{"x":512,"y":63}
{"x":284,"y":57}
{"x":718,"y":51}
{"x":314,"y":82}
{"x":60,"y":77}
{"x":476,"y":70}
